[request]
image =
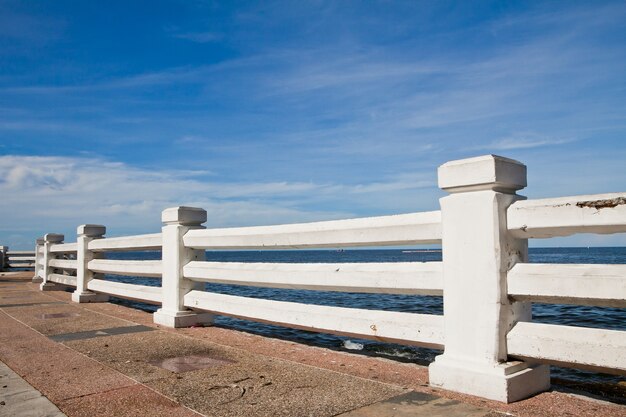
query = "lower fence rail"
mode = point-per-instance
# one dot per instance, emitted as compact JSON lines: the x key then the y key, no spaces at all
{"x":581,"y":347}
{"x":62,"y":279}
{"x":581,"y":284}
{"x":147,"y":294}
{"x":387,"y":326}
{"x":21,"y":265}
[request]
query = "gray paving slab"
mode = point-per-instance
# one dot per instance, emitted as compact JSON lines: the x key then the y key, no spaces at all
{"x":90,"y":334}
{"x":19,"y":399}
{"x":31,"y":304}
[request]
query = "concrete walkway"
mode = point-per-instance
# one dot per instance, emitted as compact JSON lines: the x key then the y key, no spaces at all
{"x":19,"y":399}
{"x":108,"y":360}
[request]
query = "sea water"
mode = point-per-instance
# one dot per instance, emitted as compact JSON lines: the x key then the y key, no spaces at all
{"x":571,"y":315}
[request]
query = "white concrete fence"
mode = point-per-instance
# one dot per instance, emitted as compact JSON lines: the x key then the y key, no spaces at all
{"x":16,"y":259}
{"x":493,"y":349}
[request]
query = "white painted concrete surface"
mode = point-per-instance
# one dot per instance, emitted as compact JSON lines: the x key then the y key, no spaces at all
{"x":64,"y":263}
{"x":597,"y":284}
{"x":477,"y":253}
{"x":138,"y":242}
{"x":423,"y":278}
{"x":130,"y":268}
{"x":594,"y":349}
{"x":128,"y":291}
{"x":552,"y":217}
{"x":178,"y":221}
{"x":87,"y":234}
{"x":387,"y":326}
{"x":404,"y":229}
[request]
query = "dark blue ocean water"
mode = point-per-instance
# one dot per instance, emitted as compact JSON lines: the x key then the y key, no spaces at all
{"x":585,"y":316}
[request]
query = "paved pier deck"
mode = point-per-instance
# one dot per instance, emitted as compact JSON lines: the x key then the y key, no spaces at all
{"x":108,"y":360}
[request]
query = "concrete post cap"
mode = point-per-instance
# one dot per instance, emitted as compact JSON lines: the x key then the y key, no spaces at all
{"x":53,"y":237}
{"x":91,"y":230}
{"x":488,"y":172}
{"x":187,"y":216}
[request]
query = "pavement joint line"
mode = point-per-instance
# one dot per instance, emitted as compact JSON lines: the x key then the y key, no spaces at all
{"x":137,"y":384}
{"x":89,"y":394}
{"x":90,"y":334}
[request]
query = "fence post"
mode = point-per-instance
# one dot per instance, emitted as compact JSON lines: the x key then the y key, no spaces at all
{"x":176,"y":222}
{"x":49,"y":240}
{"x":38,"y":260}
{"x":477,"y":254}
{"x":3,"y":257}
{"x":85,"y":234}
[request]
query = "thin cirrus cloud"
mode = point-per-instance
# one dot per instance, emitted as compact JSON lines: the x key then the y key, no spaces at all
{"x":522,"y":142}
{"x":62,"y":192}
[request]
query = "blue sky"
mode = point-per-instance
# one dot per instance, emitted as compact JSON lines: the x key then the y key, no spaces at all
{"x":297,"y":111}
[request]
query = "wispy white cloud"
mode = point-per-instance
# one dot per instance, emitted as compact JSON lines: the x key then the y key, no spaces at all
{"x":523,"y":142}
{"x":57,"y":193}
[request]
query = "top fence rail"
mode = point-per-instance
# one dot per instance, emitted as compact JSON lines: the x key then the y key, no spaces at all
{"x":553,"y":217}
{"x":404,"y":229}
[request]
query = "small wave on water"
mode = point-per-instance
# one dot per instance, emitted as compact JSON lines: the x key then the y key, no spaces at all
{"x":350,"y":345}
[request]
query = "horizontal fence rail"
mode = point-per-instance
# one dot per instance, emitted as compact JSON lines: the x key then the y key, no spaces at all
{"x":592,"y":349}
{"x":600,"y":285}
{"x":64,"y":247}
{"x":21,"y":264}
{"x":62,"y":279}
{"x":21,"y":258}
{"x":63,"y":263}
{"x":404,"y":229}
{"x":128,"y":243}
{"x":552,"y":217}
{"x":18,"y":259}
{"x":423,"y":278}
{"x":131,"y":291}
{"x":387,"y":326}
{"x":128,"y":268}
